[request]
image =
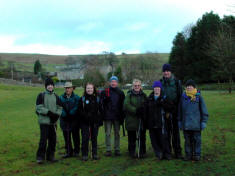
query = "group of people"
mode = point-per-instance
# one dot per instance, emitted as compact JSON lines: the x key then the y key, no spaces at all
{"x":165,"y":112}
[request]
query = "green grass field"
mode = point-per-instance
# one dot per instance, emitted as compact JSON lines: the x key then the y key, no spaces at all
{"x":19,"y":136}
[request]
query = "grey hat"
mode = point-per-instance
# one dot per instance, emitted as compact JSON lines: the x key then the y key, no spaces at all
{"x":68,"y":84}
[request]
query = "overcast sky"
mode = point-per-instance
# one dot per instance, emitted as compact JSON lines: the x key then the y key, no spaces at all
{"x":92,"y":26}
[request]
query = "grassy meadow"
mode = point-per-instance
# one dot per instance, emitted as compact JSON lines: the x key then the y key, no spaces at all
{"x":19,"y":136}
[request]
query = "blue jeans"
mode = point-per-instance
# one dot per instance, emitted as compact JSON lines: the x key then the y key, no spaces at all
{"x":192,"y":143}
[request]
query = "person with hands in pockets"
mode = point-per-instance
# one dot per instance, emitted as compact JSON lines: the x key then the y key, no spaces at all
{"x":192,"y":119}
{"x":89,"y":112}
{"x":69,"y":121}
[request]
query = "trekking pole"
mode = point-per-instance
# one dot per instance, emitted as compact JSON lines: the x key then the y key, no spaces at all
{"x":90,"y":142}
{"x":138,"y":139}
{"x":123,"y":130}
{"x":68,"y":148}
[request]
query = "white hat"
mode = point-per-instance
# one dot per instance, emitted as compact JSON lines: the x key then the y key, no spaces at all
{"x":68,"y":84}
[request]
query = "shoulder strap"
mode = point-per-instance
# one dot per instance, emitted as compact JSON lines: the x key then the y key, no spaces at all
{"x":107,"y":92}
{"x":58,"y":102}
{"x":83,"y":101}
{"x":98,"y":99}
{"x":40,"y":99}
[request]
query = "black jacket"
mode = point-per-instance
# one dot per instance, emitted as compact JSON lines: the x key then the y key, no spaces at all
{"x":89,"y":110}
{"x":154,"y":112}
{"x":112,"y":100}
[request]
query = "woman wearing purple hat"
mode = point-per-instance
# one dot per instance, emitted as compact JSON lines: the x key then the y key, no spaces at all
{"x":155,"y":119}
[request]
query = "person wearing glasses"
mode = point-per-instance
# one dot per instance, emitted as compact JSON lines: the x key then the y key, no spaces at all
{"x":134,"y":108}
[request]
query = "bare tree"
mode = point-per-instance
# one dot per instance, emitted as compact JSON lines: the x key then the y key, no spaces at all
{"x":187,"y":30}
{"x":222,"y":50}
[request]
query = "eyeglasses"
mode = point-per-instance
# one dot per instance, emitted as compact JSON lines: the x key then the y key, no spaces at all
{"x":137,"y":85}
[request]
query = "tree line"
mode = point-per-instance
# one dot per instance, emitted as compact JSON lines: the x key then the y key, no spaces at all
{"x":205,"y":51}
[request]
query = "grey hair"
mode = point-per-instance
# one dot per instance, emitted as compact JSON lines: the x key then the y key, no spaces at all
{"x":136,"y":80}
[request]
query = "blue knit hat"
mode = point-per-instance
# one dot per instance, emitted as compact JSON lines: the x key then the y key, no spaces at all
{"x":157,"y":84}
{"x":113,"y":78}
{"x":166,"y":67}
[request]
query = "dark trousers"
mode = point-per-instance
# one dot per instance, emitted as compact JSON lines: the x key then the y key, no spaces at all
{"x":89,"y":132}
{"x":47,"y":136}
{"x":173,"y":133}
{"x":160,"y":142}
{"x":192,"y":143}
{"x":132,"y":137}
{"x":68,"y":135}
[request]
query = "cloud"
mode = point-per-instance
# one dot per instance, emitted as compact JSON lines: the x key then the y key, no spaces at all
{"x":8,"y":45}
{"x":78,"y":26}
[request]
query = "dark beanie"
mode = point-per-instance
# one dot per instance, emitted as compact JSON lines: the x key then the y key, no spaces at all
{"x":157,"y":84}
{"x":49,"y":81}
{"x":166,"y":67}
{"x":190,"y":82}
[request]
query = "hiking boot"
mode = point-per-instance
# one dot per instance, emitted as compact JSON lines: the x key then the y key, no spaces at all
{"x":67,"y":155}
{"x":117,"y":153}
{"x":178,"y":156}
{"x":52,"y":159}
{"x":84,"y":158}
{"x":141,"y":156}
{"x":108,"y":153}
{"x":196,"y":158}
{"x":95,"y":157}
{"x":187,"y":158}
{"x":40,"y":160}
{"x":132,"y":155}
{"x":159,"y":156}
{"x":76,"y":154}
{"x":168,"y":157}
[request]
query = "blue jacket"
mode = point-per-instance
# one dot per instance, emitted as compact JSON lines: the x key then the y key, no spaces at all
{"x":69,"y":117}
{"x":192,"y":115}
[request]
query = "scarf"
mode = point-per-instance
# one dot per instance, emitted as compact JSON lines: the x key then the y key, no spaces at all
{"x":192,"y":94}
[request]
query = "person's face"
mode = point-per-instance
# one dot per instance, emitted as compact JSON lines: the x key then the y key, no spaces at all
{"x":68,"y":90}
{"x":157,"y":90}
{"x":113,"y":83}
{"x":189,"y":88}
{"x":137,"y":86}
{"x":167,"y":74}
{"x":89,"y":89}
{"x":50,"y":88}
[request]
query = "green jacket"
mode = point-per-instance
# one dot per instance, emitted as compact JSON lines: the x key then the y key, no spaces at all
{"x":133,"y":106}
{"x":47,"y":101}
{"x":172,"y":89}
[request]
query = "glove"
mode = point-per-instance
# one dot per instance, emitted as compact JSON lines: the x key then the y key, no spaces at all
{"x":203,"y":125}
{"x":140,"y":112}
{"x":53,"y":117}
{"x":180,"y":125}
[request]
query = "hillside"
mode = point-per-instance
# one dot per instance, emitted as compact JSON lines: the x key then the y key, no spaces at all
{"x":28,"y":59}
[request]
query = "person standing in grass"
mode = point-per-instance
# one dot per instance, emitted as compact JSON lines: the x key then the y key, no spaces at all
{"x":193,"y":116}
{"x":172,"y":89}
{"x":112,"y":99}
{"x":155,"y":119}
{"x":69,"y":121}
{"x":89,"y":112}
{"x":48,"y":109}
{"x":134,"y":108}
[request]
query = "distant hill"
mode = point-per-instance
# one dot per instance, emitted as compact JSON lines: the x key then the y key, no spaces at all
{"x":25,"y":62}
{"x":56,"y":59}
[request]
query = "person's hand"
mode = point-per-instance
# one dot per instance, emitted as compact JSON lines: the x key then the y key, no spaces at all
{"x":203,"y":125}
{"x":180,"y":125}
{"x":53,"y":117}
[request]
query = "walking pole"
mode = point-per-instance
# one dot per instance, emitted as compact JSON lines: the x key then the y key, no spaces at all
{"x":68,"y":148}
{"x":138,"y":139}
{"x":90,"y":142}
{"x":123,"y":130}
